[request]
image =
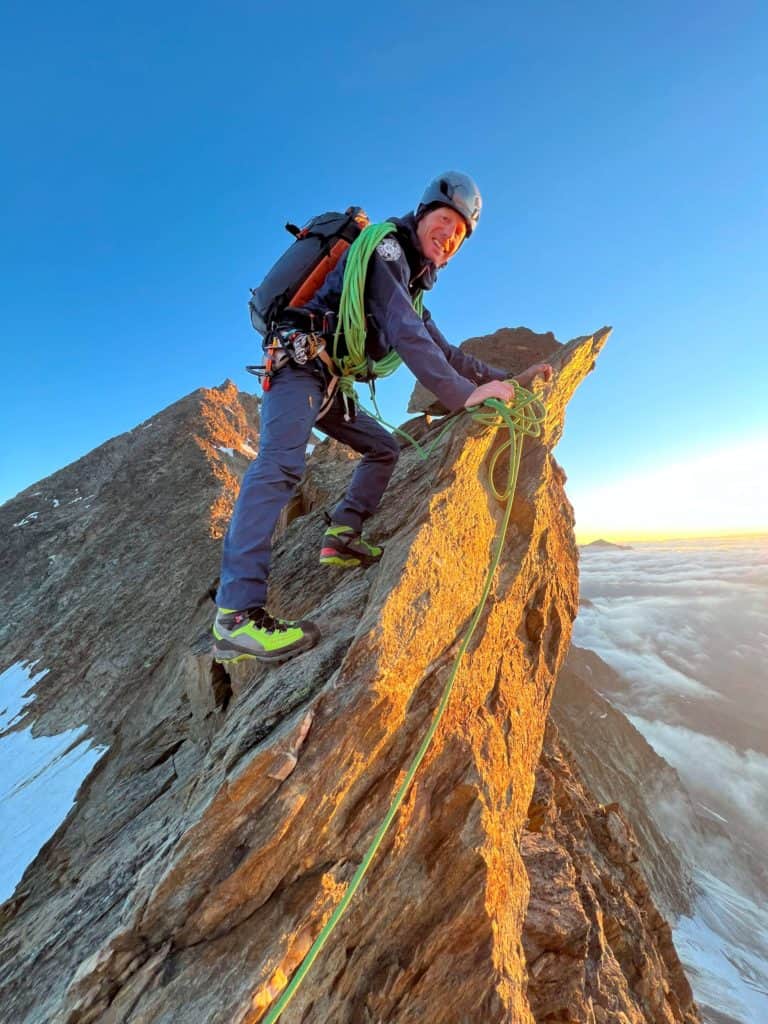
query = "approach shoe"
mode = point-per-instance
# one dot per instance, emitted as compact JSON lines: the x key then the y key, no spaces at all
{"x":344,"y":547}
{"x":255,"y":634}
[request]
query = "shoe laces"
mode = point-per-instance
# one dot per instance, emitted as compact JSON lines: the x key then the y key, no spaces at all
{"x":267,"y":622}
{"x":350,"y":538}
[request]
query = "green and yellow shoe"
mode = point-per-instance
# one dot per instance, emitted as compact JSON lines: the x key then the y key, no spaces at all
{"x":254,"y":634}
{"x":345,"y":548}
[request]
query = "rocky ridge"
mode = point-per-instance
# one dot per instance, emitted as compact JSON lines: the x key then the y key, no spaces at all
{"x":117,"y":551}
{"x":215,"y":836}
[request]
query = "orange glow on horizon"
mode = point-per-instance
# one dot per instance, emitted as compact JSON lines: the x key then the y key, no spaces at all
{"x":630,"y":536}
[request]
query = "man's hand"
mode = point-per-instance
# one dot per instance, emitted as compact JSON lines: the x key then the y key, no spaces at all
{"x":527,"y":377}
{"x":501,"y":389}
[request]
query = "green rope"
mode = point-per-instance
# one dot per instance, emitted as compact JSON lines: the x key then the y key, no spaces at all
{"x":522,"y":417}
{"x":351,"y":322}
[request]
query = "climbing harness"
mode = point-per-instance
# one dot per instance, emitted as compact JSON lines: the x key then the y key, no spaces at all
{"x":284,"y":344}
{"x":522,"y":417}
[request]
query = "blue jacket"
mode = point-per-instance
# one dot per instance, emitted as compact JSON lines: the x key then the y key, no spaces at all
{"x":396,"y":272}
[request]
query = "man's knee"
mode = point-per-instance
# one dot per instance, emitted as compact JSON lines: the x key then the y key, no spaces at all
{"x":292,"y":466}
{"x":389,"y":450}
{"x":281,"y":466}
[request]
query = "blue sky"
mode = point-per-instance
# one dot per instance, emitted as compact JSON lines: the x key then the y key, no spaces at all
{"x":150,"y":156}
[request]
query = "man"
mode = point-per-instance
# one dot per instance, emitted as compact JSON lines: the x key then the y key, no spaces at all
{"x":403,"y":264}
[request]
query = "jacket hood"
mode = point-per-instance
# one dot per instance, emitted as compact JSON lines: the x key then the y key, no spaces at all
{"x":423,"y":270}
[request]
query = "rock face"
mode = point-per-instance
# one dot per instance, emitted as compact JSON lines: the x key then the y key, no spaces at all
{"x":212,"y":841}
{"x":597,"y":947}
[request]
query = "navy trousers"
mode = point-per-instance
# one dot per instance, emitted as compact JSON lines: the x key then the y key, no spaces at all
{"x":289,"y":411}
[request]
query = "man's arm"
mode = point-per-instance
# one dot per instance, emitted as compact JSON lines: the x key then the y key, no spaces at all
{"x":476,"y":369}
{"x":468,"y":366}
{"x":387,"y":299}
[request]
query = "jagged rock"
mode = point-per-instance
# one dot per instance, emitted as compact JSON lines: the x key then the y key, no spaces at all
{"x":214,"y":838}
{"x":597,"y":947}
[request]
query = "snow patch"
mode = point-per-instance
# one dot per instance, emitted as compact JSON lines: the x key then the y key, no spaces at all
{"x":27,"y":519}
{"x":39,"y":777}
{"x":724,"y":948}
{"x":227,"y":451}
{"x":15,"y":684}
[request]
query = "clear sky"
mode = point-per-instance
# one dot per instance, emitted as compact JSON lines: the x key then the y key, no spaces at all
{"x":151,"y":153}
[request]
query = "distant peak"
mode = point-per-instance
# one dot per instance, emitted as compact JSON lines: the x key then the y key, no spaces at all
{"x":607,"y":544}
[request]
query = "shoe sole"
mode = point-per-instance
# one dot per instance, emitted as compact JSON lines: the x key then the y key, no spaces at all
{"x":342,"y":563}
{"x":348,"y":561}
{"x":230,"y":658}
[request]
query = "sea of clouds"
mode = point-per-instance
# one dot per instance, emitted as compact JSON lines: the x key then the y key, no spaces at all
{"x":685,"y":624}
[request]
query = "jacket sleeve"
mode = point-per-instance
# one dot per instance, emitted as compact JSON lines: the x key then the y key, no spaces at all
{"x":401,"y":328}
{"x":468,"y":366}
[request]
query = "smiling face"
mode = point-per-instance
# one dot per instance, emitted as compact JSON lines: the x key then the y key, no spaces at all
{"x":441,"y":231}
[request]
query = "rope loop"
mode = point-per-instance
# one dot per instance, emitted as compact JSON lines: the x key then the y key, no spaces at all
{"x":351,"y":320}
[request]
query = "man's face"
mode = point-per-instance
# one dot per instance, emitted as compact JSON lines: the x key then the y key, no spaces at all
{"x":441,"y":231}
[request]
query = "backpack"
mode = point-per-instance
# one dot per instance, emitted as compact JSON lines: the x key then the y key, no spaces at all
{"x":303,"y":267}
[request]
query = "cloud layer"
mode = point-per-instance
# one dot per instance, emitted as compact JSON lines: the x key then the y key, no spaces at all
{"x":687,"y":625}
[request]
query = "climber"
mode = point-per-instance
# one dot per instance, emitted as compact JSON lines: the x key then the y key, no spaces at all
{"x":302,"y":395}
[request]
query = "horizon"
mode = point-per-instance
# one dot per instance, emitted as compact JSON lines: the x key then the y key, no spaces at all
{"x":629,"y":538}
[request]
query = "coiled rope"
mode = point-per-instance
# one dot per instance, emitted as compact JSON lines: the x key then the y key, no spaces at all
{"x":351,"y":321}
{"x":522,"y":417}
